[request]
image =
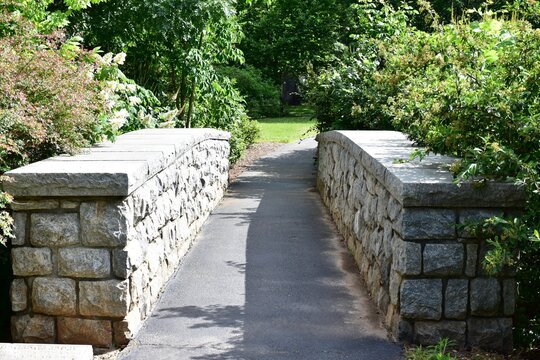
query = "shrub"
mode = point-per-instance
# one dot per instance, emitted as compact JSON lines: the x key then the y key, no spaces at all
{"x":261,"y":95}
{"x":221,"y":106}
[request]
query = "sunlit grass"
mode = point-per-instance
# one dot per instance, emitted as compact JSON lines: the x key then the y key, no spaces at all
{"x":286,"y":129}
{"x":298,"y":124}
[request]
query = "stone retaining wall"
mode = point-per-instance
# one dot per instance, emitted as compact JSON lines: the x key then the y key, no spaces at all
{"x":399,"y":220}
{"x":99,"y":234}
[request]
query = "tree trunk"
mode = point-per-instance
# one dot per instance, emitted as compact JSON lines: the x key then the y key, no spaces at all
{"x":193,"y":88}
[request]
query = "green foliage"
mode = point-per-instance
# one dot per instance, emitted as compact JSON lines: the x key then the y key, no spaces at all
{"x":132,"y":107}
{"x":349,"y":93}
{"x":49,"y":101}
{"x":48,"y":15}
{"x":175,"y":52}
{"x":284,"y":36}
{"x":438,"y":351}
{"x":221,"y":107}
{"x":261,"y":96}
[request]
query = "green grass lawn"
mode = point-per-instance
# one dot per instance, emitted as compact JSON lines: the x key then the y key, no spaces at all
{"x":296,"y":125}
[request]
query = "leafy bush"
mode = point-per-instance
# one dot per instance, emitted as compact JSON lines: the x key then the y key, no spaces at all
{"x":222,"y":107}
{"x":261,"y":95}
{"x":48,"y":104}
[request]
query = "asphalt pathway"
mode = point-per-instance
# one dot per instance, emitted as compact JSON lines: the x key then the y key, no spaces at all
{"x":267,"y":278}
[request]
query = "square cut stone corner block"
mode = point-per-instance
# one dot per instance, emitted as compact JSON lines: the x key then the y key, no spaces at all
{"x":485,"y":296}
{"x":84,"y":331}
{"x":426,"y":223}
{"x":54,"y":230}
{"x":105,"y":223}
{"x":443,"y":259}
{"x":109,"y":298}
{"x":54,"y":296}
{"x":84,"y":263}
{"x":32,"y":328}
{"x":421,"y":299}
{"x":18,"y":294}
{"x":28,"y":261}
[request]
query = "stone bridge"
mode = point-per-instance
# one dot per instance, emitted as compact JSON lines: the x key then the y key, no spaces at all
{"x":102,"y":238}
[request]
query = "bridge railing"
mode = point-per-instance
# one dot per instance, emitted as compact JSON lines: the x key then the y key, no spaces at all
{"x":401,"y":220}
{"x":98,"y":234}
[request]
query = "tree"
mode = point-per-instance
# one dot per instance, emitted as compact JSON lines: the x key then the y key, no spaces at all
{"x":284,"y":36}
{"x":174,"y":50}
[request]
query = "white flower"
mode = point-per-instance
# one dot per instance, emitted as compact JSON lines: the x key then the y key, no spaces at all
{"x":168,"y":124}
{"x":110,"y":104}
{"x":169,"y":115}
{"x":147,"y":121}
{"x":111,"y":85}
{"x":134,"y":100}
{"x":131,"y":87}
{"x":107,"y":58}
{"x":120,"y":87}
{"x":120,"y":58}
{"x":119,"y":119}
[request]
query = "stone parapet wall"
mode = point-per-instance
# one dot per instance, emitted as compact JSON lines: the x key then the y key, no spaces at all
{"x":401,"y":221}
{"x":99,"y":234}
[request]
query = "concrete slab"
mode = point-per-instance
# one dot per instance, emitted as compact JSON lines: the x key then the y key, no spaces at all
{"x":268,"y":278}
{"x":45,"y":352}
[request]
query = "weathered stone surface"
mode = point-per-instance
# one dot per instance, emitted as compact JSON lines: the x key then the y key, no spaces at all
{"x":495,"y":334}
{"x":456,"y":299}
{"x":23,"y":205}
{"x":125,"y":330}
{"x":54,"y":296}
{"x":54,"y":230}
{"x":84,"y":331}
{"x":485,"y":296}
{"x":474,"y":217}
{"x":104,"y":223}
{"x":31,"y":261}
{"x":427,"y":223}
{"x":395,"y":282}
{"x":19,"y":228}
{"x":32,"y":329}
{"x":509,"y":296}
{"x":104,"y":298}
{"x":430,"y":332}
{"x":421,"y":299}
{"x":67,"y":204}
{"x":407,"y":257}
{"x":393,"y":209}
{"x":472,"y":258}
{"x":443,"y":259}
{"x":84,"y":263}
{"x":18,"y":294}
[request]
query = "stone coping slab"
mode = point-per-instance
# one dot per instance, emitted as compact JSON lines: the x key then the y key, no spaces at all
{"x":45,"y":352}
{"x":108,"y":169}
{"x":419,"y":183}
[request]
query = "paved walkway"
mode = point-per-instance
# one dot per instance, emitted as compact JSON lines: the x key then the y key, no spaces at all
{"x":268,"y":278}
